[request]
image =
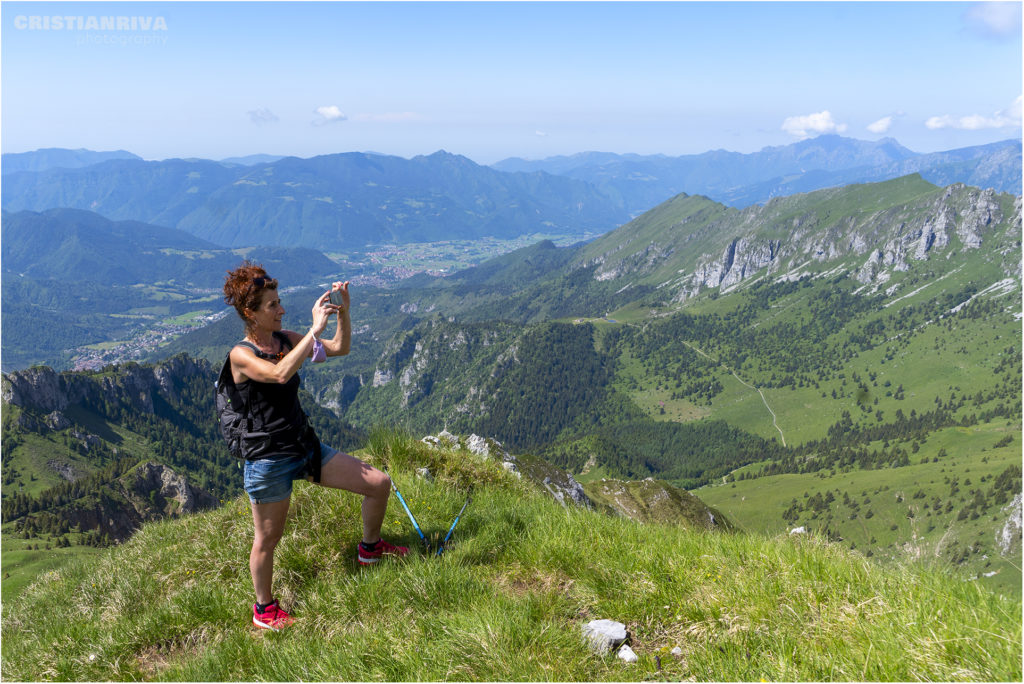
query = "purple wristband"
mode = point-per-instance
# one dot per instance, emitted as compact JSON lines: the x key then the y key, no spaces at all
{"x":319,"y":353}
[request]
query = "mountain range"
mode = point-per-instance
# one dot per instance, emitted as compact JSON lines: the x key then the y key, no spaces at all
{"x":331,"y":202}
{"x":85,"y":247}
{"x":73,"y":278}
{"x":845,"y":340}
{"x":342,"y":201}
{"x":739,"y":180}
{"x":57,"y":158}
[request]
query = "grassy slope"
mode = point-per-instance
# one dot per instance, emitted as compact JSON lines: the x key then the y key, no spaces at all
{"x":757,"y":505}
{"x":930,"y":361}
{"x":955,"y":355}
{"x":505,"y":603}
{"x":22,"y":565}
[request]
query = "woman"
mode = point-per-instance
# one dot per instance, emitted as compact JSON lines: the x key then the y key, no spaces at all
{"x":264,"y":368}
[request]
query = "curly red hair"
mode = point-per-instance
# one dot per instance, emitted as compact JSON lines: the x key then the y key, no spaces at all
{"x":241,"y":290}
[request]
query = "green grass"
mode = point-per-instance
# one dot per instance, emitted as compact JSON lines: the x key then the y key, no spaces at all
{"x":22,"y":566}
{"x":957,"y":354}
{"x":505,"y":603}
{"x":930,"y":536}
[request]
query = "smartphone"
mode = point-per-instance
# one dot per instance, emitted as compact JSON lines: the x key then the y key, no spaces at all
{"x":336,"y":297}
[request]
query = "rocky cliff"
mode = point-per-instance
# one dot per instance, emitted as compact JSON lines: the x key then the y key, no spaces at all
{"x":149,"y":492}
{"x":872,"y":232}
{"x":42,"y":390}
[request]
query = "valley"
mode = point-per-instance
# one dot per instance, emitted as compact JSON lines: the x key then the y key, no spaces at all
{"x":846,"y":361}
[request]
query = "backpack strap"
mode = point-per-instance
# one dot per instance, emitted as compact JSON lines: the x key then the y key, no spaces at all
{"x":285,"y":342}
{"x":286,"y":345}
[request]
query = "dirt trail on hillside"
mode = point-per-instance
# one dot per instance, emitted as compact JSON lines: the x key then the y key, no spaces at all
{"x":775,"y":421}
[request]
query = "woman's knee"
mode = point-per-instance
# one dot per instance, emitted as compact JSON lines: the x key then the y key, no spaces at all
{"x":267,"y":541}
{"x":381,"y":483}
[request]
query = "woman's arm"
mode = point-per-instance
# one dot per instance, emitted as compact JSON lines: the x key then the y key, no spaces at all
{"x":340,"y":344}
{"x":261,"y":370}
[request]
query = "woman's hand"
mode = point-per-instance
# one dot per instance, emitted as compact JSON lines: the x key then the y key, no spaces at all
{"x":342,"y":287}
{"x":322,"y":310}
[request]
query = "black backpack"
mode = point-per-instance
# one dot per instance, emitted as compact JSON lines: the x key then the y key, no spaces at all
{"x":232,"y":410}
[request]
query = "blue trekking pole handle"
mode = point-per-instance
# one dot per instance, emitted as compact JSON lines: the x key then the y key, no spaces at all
{"x":452,"y":528}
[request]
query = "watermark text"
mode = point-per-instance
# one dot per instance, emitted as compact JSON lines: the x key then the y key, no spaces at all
{"x":24,"y":22}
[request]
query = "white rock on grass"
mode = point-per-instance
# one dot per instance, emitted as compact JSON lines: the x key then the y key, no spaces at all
{"x":626,"y":654}
{"x":443,"y":440}
{"x":798,"y":530}
{"x":604,"y":635}
{"x":478,"y":445}
{"x":425,"y":474}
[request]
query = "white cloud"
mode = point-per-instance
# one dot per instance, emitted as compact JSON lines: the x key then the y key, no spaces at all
{"x":1015,"y":108}
{"x":328,"y":114}
{"x":262,"y":116}
{"x":978,"y":122}
{"x":388,"y":117}
{"x":812,"y":124}
{"x":882,"y":125}
{"x":994,"y":19}
{"x":540,"y":134}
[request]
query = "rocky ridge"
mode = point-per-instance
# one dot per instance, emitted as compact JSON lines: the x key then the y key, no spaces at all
{"x":147,"y":493}
{"x":655,"y":501}
{"x":791,"y":233}
{"x":44,"y":391}
{"x":556,"y":482}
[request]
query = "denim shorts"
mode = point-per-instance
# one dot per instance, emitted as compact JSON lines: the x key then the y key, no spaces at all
{"x":268,"y":480}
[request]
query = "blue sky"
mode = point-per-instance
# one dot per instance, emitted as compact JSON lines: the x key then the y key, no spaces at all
{"x":495,"y":80}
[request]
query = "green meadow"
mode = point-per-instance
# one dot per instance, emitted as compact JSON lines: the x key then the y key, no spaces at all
{"x":506,"y":602}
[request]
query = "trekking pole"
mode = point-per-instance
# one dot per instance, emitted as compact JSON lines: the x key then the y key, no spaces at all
{"x":426,"y":544}
{"x":469,"y":498}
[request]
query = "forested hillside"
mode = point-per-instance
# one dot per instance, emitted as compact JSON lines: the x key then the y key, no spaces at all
{"x":69,"y":437}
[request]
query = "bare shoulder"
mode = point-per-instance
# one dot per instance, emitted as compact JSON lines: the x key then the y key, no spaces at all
{"x":241,"y":352}
{"x":242,"y":359}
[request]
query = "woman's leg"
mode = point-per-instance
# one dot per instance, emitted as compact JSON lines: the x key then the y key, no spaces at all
{"x":268,"y":521}
{"x":349,"y":473}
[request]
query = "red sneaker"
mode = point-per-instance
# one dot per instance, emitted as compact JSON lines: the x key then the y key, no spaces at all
{"x":382,"y":548}
{"x":272,"y":618}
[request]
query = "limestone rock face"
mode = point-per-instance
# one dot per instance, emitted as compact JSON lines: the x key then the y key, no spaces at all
{"x":1008,"y":538}
{"x":567,"y":488}
{"x":45,"y":391}
{"x":890,"y":238}
{"x":168,"y":486}
{"x":38,"y":387}
{"x":147,"y":493}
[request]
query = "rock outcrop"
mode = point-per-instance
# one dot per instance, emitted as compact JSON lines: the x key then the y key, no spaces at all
{"x":798,"y":230}
{"x":1008,"y":537}
{"x":42,"y":390}
{"x":146,"y":493}
{"x":558,"y":483}
{"x":653,"y":500}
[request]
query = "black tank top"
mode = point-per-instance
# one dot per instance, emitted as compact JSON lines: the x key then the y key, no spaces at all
{"x":280,"y":426}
